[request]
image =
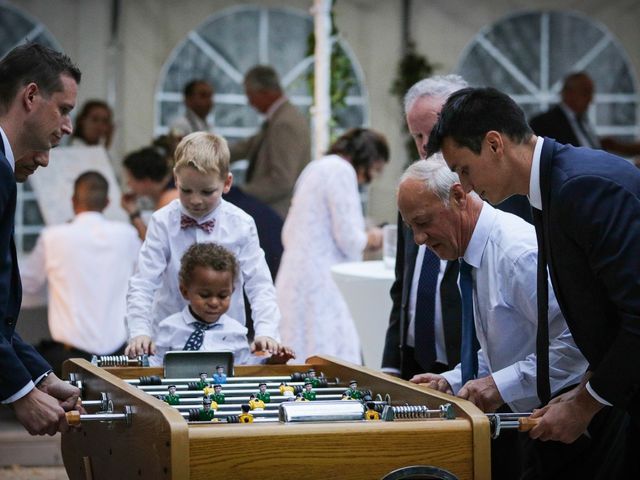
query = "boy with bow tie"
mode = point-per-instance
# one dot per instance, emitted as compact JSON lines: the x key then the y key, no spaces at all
{"x":200,"y":215}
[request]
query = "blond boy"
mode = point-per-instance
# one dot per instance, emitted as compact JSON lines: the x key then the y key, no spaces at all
{"x":199,"y":215}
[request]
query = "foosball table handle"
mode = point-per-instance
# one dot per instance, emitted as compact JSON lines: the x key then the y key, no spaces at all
{"x":74,"y":417}
{"x":526,"y":423}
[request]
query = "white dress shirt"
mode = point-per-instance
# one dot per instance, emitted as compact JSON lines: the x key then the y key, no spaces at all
{"x":535,"y":199}
{"x":226,"y":335}
{"x":154,"y":292}
{"x":87,"y":264}
{"x":504,"y":253}
{"x":441,"y":349}
{"x":7,"y":150}
{"x":188,"y":123}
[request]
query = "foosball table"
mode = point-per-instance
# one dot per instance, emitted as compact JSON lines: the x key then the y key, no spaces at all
{"x":131,"y":431}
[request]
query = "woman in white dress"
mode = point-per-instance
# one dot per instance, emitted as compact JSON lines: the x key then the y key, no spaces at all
{"x":325,"y":226}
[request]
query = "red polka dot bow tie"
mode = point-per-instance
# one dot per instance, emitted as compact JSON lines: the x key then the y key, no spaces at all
{"x":187,"y":222}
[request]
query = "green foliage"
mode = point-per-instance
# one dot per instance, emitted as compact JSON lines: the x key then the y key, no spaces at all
{"x":342,"y":78}
{"x":411,"y":68}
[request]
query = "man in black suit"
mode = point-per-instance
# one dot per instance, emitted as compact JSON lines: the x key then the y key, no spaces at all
{"x":422,"y":103}
{"x":567,"y":122}
{"x":587,"y":217}
{"x":38,"y":89}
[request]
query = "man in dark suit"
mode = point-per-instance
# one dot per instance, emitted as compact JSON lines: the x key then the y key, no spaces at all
{"x":587,"y":217}
{"x":422,"y":103}
{"x":38,"y":89}
{"x":567,"y":122}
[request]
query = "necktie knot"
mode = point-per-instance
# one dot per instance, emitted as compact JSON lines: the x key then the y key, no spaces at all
{"x":187,"y":222}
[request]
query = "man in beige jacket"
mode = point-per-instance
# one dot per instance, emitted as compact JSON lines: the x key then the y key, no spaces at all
{"x":281,"y":149}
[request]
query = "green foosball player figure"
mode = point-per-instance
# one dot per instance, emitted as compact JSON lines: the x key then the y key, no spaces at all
{"x":217,"y":395}
{"x":202,"y":383}
{"x":173,"y":398}
{"x":206,"y":413}
{"x":308,"y":393}
{"x":353,"y":392}
{"x":263,"y":394}
{"x":311,"y":375}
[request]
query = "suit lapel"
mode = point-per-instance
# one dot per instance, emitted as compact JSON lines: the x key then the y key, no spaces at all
{"x":546,"y":164}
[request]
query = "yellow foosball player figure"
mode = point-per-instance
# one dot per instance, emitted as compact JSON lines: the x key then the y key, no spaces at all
{"x":245,"y":417}
{"x":371,"y":414}
{"x":172,"y":398}
{"x":263,"y":394}
{"x":255,"y":403}
{"x":308,"y":393}
{"x":300,"y":398}
{"x":286,"y":390}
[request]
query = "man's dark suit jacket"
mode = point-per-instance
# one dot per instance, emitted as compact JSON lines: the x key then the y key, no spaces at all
{"x":395,"y":343}
{"x":554,"y":124}
{"x":19,"y":361}
{"x":591,"y":227}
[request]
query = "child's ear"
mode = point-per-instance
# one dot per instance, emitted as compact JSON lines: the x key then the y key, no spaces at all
{"x":227,"y":183}
{"x":183,"y":290}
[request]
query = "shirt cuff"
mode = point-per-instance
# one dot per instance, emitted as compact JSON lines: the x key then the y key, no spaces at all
{"x":596,"y":396}
{"x":454,"y":377}
{"x":509,"y":384}
{"x":20,"y":393}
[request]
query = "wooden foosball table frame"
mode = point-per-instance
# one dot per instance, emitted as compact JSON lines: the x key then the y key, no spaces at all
{"x":160,"y":444}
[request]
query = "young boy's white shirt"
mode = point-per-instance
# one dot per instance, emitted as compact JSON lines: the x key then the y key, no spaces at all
{"x":226,"y":335}
{"x":154,"y":288}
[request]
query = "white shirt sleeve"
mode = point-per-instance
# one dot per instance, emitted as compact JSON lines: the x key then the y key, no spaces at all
{"x":152,"y":263}
{"x":259,"y":287}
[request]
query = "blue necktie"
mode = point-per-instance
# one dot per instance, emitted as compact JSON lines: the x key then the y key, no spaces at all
{"x":469,"y":350}
{"x":425,"y":345}
{"x":194,"y":342}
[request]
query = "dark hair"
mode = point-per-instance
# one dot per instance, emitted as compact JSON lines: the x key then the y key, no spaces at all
{"x":362,"y":146}
{"x":91,"y":190}
{"x":148,"y":162}
{"x":34,"y":63}
{"x":470,"y":113}
{"x":210,"y":255}
{"x":78,"y":130}
{"x":190,"y":87}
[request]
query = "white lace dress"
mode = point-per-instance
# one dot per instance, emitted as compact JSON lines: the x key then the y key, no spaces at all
{"x":325,"y":226}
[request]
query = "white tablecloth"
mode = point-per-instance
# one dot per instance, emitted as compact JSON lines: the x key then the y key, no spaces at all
{"x":365,"y":287}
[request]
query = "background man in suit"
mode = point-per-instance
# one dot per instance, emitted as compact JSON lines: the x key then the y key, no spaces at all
{"x":567,"y":122}
{"x":281,"y":149}
{"x":198,"y":102}
{"x":587,"y":216}
{"x":38,"y":89}
{"x":441,"y":335}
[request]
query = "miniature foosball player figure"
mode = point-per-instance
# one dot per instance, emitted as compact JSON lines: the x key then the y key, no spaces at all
{"x":300,"y":398}
{"x":255,"y":403}
{"x":172,"y":398}
{"x":246,"y":416}
{"x":353,"y":391}
{"x":217,"y":395}
{"x":345,"y":397}
{"x":206,"y":413}
{"x":286,"y":390}
{"x":371,"y":414}
{"x":311,"y":375}
{"x":202,"y":383}
{"x":263,"y":394}
{"x":308,"y":393}
{"x":220,"y":376}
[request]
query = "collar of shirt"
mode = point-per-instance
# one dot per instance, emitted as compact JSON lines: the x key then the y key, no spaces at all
{"x":480,"y":236}
{"x":213,"y":214}
{"x":193,"y":117}
{"x":535,"y":193}
{"x":88,"y":216}
{"x":274,"y":107}
{"x":189,"y":319}
{"x":7,"y":150}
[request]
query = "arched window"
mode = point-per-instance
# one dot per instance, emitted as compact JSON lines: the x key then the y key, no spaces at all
{"x":528,"y":54}
{"x":232,"y":41}
{"x":16,"y":27}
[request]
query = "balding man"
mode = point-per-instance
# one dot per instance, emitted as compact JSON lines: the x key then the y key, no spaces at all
{"x":567,"y":122}
{"x":281,"y":149}
{"x":87,"y":264}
